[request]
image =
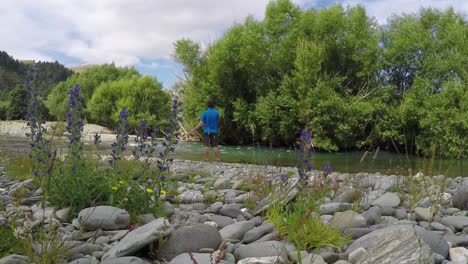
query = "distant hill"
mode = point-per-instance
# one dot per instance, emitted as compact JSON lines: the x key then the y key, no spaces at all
{"x":14,"y":73}
{"x":13,"y":76}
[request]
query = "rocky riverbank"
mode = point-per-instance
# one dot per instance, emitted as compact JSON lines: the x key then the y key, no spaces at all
{"x":209,"y":222}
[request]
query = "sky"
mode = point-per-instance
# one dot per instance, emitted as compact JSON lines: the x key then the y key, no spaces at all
{"x":141,"y":33}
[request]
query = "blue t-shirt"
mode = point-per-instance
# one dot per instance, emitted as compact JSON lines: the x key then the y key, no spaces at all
{"x":210,"y":119}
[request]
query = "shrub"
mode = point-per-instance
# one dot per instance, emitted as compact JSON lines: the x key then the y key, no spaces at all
{"x":299,"y":223}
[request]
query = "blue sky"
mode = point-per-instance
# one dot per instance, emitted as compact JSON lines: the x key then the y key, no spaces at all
{"x":141,"y":33}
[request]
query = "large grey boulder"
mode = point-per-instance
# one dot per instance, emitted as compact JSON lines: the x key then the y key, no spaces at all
{"x":399,"y":246}
{"x":460,"y":199}
{"x":262,"y":249}
{"x":221,"y":221}
{"x":139,"y":238}
{"x":103,"y":217}
{"x":190,"y":239}
{"x":435,"y":241}
{"x":348,"y":219}
{"x":388,"y":199}
{"x":331,"y":208}
{"x":15,"y":259}
{"x":458,"y":222}
{"x":236,"y":230}
{"x":257,"y":232}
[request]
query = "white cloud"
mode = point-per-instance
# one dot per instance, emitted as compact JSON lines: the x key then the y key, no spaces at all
{"x":120,"y":31}
{"x":126,"y":31}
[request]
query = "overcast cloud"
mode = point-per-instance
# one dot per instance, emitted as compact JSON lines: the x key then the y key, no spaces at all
{"x":142,"y":32}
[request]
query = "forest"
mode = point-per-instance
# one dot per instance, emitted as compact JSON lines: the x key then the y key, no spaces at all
{"x":355,"y":84}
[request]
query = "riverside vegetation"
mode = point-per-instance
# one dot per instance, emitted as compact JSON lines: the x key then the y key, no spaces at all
{"x":147,"y":208}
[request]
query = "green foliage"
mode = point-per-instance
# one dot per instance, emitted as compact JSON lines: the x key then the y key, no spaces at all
{"x":142,"y":96}
{"x":335,"y":72}
{"x":89,"y":81}
{"x":9,"y":243}
{"x":78,"y":188}
{"x":299,"y":223}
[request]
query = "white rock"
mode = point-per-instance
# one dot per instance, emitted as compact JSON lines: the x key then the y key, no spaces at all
{"x":459,"y":255}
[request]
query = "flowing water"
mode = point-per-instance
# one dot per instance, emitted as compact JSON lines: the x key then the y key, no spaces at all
{"x":351,"y":162}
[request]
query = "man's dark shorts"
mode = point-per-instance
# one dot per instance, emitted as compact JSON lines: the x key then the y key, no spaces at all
{"x":210,"y":140}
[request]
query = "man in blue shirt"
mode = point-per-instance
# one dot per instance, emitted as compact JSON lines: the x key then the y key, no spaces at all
{"x":209,"y":122}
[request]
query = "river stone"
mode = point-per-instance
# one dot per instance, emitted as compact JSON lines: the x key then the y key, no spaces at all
{"x":331,"y":208}
{"x":399,"y":246}
{"x":372,"y":215}
{"x":262,"y":249}
{"x":139,"y":238}
{"x":75,"y":248}
{"x":435,"y":241}
{"x":214,"y":208}
{"x":458,"y":222}
{"x":459,"y":255}
{"x":200,"y":258}
{"x":356,"y":255}
{"x":385,"y":183}
{"x":230,"y":212}
{"x":5,"y":199}
{"x":257,"y":232}
{"x":349,"y":196}
{"x":388,"y":199}
{"x":190,"y":239}
{"x":262,"y":260}
{"x":236,"y":230}
{"x":221,"y":221}
{"x":330,"y":257}
{"x":268,"y":237}
{"x":222,"y":183}
{"x":314,"y":259}
{"x":123,"y":260}
{"x":460,"y":199}
{"x":357,"y":232}
{"x":424,"y":214}
{"x":191,"y":197}
{"x":15,"y":259}
{"x":85,"y":260}
{"x":44,"y":214}
{"x":348,"y":219}
{"x":63,"y":214}
{"x":103,"y":217}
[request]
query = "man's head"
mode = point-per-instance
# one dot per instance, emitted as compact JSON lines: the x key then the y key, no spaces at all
{"x":210,"y":103}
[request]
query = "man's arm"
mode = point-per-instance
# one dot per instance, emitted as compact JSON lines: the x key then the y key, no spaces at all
{"x":200,"y":124}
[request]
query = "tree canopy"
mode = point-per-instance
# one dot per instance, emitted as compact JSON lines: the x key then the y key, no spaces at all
{"x":355,"y":84}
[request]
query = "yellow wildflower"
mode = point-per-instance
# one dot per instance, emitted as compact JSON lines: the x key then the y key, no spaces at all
{"x":121,"y":182}
{"x":114,"y":188}
{"x":149,"y":190}
{"x":163,"y":192}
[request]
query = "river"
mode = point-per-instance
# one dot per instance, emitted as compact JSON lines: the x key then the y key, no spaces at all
{"x":352,"y":162}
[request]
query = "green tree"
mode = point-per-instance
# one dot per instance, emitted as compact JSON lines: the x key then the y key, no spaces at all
{"x":143,"y":97}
